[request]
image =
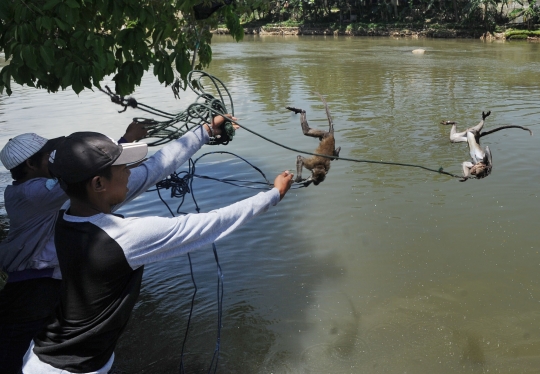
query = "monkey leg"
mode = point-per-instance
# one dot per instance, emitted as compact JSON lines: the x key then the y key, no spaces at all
{"x":299,"y":165}
{"x":330,"y":122}
{"x":480,"y":125}
{"x":457,"y":137}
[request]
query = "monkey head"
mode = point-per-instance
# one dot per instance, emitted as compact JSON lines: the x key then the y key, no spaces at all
{"x":481,"y":170}
{"x":318,"y":174}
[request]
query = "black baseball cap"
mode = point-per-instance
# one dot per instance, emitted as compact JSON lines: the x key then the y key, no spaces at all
{"x":81,"y":155}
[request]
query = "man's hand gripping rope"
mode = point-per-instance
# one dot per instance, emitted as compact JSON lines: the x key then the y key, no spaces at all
{"x":222,"y":129}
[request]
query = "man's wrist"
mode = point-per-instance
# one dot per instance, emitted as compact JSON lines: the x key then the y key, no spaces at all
{"x":209,"y":130}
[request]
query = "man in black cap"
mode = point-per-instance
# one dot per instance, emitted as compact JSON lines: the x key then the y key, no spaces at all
{"x":27,"y":255}
{"x":102,"y":255}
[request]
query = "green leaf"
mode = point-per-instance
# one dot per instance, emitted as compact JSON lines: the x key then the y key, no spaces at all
{"x":111,"y":62}
{"x":5,"y":11}
{"x":29,"y":57}
{"x":97,"y":74}
{"x":59,"y":67}
{"x":51,"y":4}
{"x":23,"y":33}
{"x":20,"y":13}
{"x":183,"y":65}
{"x":169,"y":75}
{"x":61,"y":43}
{"x":61,"y":25}
{"x":6,"y":78}
{"x":68,"y":72}
{"x":73,"y":4}
{"x":9,"y":49}
{"x":47,"y":23}
{"x":47,"y":54}
{"x":77,"y":84}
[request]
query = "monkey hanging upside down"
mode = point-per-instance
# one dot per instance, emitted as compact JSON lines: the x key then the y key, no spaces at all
{"x":318,"y":165}
{"x":481,"y":159}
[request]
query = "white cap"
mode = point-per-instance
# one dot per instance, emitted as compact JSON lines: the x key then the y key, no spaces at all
{"x":131,"y":152}
{"x":20,"y":148}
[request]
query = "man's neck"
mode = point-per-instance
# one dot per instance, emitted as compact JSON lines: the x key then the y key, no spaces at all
{"x":33,"y":174}
{"x":87,"y":208}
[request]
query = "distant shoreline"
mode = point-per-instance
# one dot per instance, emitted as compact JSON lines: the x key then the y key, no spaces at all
{"x":435,"y":31}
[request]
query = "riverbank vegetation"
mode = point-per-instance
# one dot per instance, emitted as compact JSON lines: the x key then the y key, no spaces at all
{"x":471,"y":14}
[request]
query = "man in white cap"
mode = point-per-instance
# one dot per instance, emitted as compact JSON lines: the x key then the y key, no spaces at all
{"x":102,"y":255}
{"x":28,"y":254}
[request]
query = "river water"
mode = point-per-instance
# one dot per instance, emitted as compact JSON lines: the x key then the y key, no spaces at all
{"x":379,"y":269}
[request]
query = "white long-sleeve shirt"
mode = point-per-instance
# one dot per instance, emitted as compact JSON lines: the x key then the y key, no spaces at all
{"x":102,"y":258}
{"x":33,"y":206}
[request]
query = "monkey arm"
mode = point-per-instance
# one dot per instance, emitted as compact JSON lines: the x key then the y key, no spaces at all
{"x":467,"y":165}
{"x":488,"y":159}
{"x":506,"y":127}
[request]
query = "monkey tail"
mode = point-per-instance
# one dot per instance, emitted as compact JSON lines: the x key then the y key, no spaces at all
{"x":506,"y":127}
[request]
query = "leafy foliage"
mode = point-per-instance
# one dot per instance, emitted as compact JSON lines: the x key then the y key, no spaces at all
{"x":55,"y":44}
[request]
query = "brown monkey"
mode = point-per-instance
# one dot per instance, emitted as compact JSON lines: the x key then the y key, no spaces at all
{"x":318,"y":165}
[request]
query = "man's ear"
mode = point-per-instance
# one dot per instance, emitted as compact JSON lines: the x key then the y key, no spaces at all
{"x":31,"y":165}
{"x":97,"y":184}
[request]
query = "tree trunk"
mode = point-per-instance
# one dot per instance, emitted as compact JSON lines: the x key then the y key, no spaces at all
{"x":456,"y":14}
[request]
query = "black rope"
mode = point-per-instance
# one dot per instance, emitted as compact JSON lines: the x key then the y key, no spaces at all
{"x":215,"y":356}
{"x":206,"y":106}
{"x":182,"y":369}
{"x":181,"y":184}
{"x":440,"y":170}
